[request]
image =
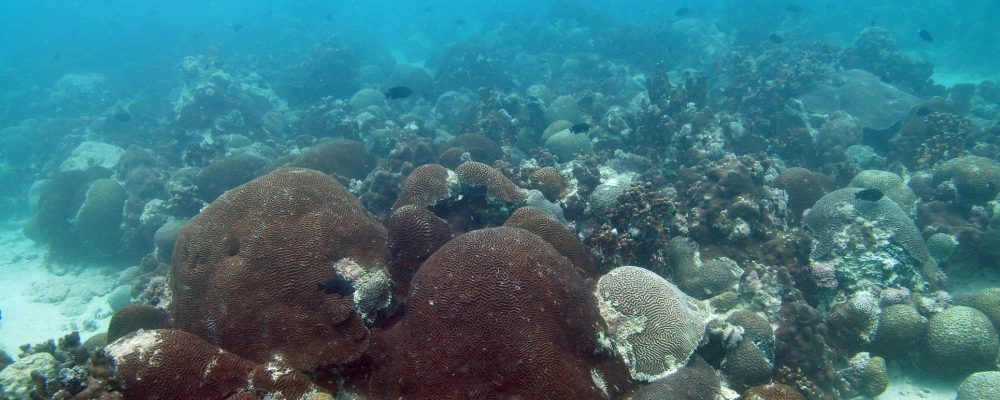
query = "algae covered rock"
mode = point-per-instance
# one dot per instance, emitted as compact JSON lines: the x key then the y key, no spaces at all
{"x":15,"y":379}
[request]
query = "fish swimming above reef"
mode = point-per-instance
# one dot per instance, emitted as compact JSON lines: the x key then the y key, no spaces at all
{"x":793,"y":8}
{"x":238,"y":27}
{"x":869,"y":195}
{"x":924,"y":34}
{"x":581,"y":127}
{"x":682,"y":12}
{"x":336,"y":285}
{"x":776,"y":38}
{"x":398,"y":92}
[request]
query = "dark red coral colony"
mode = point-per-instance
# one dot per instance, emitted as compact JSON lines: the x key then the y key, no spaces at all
{"x":494,"y":314}
{"x":246,"y":270}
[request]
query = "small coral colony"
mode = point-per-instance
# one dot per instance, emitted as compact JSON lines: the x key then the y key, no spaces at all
{"x":530,"y":216}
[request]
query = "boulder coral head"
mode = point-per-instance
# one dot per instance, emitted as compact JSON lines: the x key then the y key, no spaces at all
{"x":247,"y":271}
{"x":496,"y":313}
{"x":171,"y":364}
{"x":652,"y":325}
{"x":849,"y":219}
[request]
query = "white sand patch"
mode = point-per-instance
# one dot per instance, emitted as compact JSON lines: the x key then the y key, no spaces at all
{"x":909,"y":384}
{"x":37,"y":304}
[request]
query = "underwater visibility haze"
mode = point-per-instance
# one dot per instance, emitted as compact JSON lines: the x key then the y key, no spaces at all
{"x":559,"y":199}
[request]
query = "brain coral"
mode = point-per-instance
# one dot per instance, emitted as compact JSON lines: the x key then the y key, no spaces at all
{"x":171,"y":364}
{"x":889,"y":183}
{"x":496,"y":313}
{"x":701,"y":280}
{"x":846,"y":215}
{"x":959,"y":340}
{"x":976,"y":179}
{"x":900,"y":327}
{"x":134,"y":317}
{"x":565,"y":242}
{"x":246,"y":271}
{"x":980,"y":386}
{"x":479,"y":147}
{"x":426,"y":185}
{"x":773,"y":391}
{"x":803,"y":186}
{"x":99,"y":220}
{"x":988,"y":301}
{"x":695,"y":381}
{"x":226,"y":174}
{"x":567,"y":145}
{"x":497,"y":185}
{"x":342,"y":158}
{"x":841,"y":207}
{"x":652,"y":325}
{"x":549,"y":181}
{"x":414,"y":234}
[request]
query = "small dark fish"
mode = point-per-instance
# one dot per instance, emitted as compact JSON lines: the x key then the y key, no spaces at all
{"x":336,"y":285}
{"x":581,"y":127}
{"x":869,"y":195}
{"x":793,"y":8}
{"x":682,"y":11}
{"x":777,"y":39}
{"x":329,"y":17}
{"x":429,"y":8}
{"x":924,"y":111}
{"x":460,"y":22}
{"x":925,"y":35}
{"x":398,"y":92}
{"x":238,"y":27}
{"x":123,"y":116}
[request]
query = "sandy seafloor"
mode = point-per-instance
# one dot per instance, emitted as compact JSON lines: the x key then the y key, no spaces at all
{"x":40,"y":300}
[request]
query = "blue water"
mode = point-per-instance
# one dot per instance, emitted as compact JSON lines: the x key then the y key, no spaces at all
{"x":121,"y":120}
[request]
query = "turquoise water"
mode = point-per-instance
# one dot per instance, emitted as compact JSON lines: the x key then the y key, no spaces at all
{"x":499,"y":200}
